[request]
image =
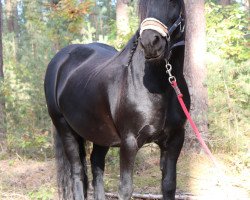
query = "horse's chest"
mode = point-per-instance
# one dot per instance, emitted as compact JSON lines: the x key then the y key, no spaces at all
{"x":149,"y":116}
{"x":140,"y":110}
{"x":152,"y":110}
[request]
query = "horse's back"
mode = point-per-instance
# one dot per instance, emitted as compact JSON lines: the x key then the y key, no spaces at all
{"x":68,"y":61}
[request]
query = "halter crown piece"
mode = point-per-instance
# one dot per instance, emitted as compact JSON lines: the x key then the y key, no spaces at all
{"x":154,"y":24}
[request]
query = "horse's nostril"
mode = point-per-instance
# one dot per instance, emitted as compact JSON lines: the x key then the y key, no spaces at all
{"x":156,"y":39}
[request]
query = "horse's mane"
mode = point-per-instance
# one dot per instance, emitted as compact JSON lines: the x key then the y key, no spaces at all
{"x":143,"y":6}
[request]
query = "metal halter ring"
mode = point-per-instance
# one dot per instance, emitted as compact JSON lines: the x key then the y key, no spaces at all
{"x":171,"y":78}
{"x":168,"y":67}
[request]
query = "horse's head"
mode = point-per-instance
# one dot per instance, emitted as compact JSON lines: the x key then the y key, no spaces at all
{"x":157,"y":18}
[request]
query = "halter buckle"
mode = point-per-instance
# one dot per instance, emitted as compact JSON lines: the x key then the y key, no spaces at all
{"x":168,"y":37}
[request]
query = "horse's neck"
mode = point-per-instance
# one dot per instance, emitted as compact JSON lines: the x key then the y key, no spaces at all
{"x":150,"y":75}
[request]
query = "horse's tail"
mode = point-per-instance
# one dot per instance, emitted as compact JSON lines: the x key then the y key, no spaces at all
{"x":64,"y":180}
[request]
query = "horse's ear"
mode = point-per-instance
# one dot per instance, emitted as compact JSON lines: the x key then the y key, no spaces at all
{"x":142,"y":9}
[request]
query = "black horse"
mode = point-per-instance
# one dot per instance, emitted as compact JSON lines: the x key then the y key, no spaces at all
{"x":120,"y":99}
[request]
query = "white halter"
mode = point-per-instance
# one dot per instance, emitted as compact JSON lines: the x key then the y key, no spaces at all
{"x":154,"y":24}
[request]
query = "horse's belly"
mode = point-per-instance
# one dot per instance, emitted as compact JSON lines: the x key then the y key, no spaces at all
{"x":95,"y":128}
{"x":103,"y":137}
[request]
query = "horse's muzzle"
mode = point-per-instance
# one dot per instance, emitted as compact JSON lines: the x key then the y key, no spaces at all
{"x":153,"y":44}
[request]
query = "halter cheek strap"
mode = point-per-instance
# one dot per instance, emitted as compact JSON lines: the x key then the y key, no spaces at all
{"x":154,"y":24}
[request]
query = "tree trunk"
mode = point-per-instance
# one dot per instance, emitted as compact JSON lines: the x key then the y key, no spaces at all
{"x":55,"y":1}
{"x":2,"y":102}
{"x":12,"y":15}
{"x":12,"y":23}
{"x":194,"y":66}
{"x":224,"y":2}
{"x":246,"y":4}
{"x":122,"y":18}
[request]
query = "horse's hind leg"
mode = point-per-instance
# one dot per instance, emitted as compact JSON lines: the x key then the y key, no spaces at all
{"x":69,"y":162}
{"x":98,"y":165}
{"x":84,"y":164}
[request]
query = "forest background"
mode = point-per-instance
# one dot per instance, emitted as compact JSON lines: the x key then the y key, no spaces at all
{"x":33,"y":31}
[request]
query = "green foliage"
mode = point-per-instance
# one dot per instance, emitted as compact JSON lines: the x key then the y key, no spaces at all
{"x":113,"y":157}
{"x":42,"y":194}
{"x":66,"y":20}
{"x":227,"y":29}
{"x":228,"y":77}
{"x":100,"y":25}
{"x":26,"y":55}
{"x":119,"y":43}
{"x":44,"y":28}
{"x":229,"y":109}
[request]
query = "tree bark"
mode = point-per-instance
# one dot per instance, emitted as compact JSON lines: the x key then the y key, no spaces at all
{"x":1,"y":45}
{"x":224,"y":2}
{"x":2,"y":102}
{"x":12,"y":15}
{"x":246,"y":4}
{"x":194,"y":66}
{"x":55,"y":1}
{"x":122,"y":18}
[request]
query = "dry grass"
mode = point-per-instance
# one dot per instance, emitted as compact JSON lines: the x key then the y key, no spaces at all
{"x":27,"y":179}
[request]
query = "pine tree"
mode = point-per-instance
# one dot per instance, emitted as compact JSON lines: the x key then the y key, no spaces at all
{"x":2,"y":102}
{"x":194,"y":64}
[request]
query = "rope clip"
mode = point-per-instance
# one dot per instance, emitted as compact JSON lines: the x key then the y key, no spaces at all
{"x":171,"y":78}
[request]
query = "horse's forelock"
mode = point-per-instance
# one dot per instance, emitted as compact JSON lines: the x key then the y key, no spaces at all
{"x":143,"y":6}
{"x":142,"y":9}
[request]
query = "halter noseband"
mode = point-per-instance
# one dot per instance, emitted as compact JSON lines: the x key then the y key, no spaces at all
{"x":155,"y":24}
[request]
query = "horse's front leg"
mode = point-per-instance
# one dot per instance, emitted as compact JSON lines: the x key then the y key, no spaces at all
{"x":128,"y":152}
{"x":98,"y":165}
{"x":170,"y":151}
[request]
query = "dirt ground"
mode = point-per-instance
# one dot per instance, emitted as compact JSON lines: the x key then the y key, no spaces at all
{"x":22,"y":179}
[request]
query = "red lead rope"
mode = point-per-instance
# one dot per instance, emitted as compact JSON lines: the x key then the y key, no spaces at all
{"x":185,"y":110}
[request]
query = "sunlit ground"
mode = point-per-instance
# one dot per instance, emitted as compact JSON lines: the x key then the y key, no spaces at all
{"x":217,"y":183}
{"x":22,"y":179}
